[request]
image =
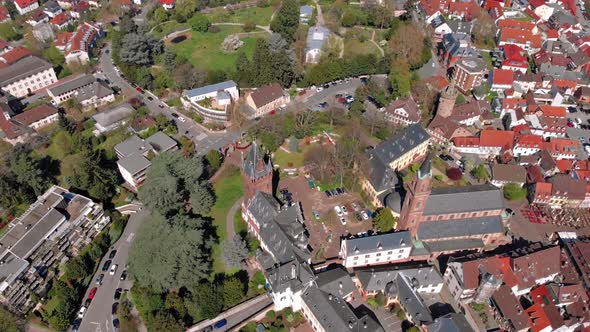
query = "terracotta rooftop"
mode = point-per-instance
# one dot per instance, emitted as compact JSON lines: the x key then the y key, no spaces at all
{"x":35,"y":114}
{"x":502,"y":77}
{"x":16,"y":54}
{"x":521,"y":37}
{"x":24,"y":3}
{"x":501,"y":138}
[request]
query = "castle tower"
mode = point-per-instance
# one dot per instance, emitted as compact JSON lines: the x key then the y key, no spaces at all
{"x":446,"y":102}
{"x":257,"y":172}
{"x":416,"y":197}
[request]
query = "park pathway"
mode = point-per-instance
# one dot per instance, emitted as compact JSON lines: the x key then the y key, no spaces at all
{"x":229,"y":219}
{"x":376,"y":44}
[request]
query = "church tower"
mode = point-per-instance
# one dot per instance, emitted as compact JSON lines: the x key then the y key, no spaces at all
{"x":415,"y":202}
{"x":446,"y":102}
{"x":257,"y":171}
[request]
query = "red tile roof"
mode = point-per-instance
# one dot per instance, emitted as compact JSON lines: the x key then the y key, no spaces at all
{"x":501,"y":138}
{"x":530,"y":141}
{"x":516,"y":24}
{"x":466,"y":141}
{"x":511,"y":104}
{"x":502,"y":77}
{"x":543,"y":190}
{"x":4,"y":14}
{"x":16,"y":54}
{"x":63,"y":38}
{"x":552,"y":111}
{"x":81,"y":7}
{"x":81,"y":40}
{"x":552,"y":34}
{"x":536,"y":3}
{"x":542,"y":316}
{"x":60,"y":18}
{"x":469,"y":10}
{"x":562,"y":146}
{"x":520,"y":37}
{"x":35,"y":114}
{"x":24,"y":3}
{"x":565,"y":165}
{"x":564,"y":84}
{"x":167,"y":2}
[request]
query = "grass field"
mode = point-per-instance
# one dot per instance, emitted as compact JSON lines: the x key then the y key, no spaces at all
{"x":260,"y":16}
{"x":204,"y":49}
{"x":168,"y":27}
{"x":228,"y":189}
{"x":354,"y":47}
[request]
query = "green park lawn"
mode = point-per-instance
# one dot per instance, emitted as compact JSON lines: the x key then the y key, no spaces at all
{"x":260,"y":16}
{"x":168,"y":27}
{"x":203,"y":49}
{"x":354,"y":47}
{"x":228,"y":189}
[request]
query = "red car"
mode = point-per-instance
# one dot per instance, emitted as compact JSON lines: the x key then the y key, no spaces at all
{"x":139,"y":89}
{"x":92,"y":293}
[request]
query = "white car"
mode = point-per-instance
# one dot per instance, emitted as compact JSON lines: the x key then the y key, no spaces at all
{"x":113,"y":269}
{"x":344,"y":210}
{"x":365,"y":215}
{"x":342,"y":221}
{"x":354,"y":206}
{"x":338,"y":211}
{"x":181,"y":119}
{"x":81,"y":312}
{"x":587,"y":148}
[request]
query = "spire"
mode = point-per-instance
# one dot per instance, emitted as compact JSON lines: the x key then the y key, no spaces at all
{"x":426,"y":167}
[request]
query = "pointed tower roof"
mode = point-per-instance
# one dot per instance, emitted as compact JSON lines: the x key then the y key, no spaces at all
{"x":256,"y":165}
{"x":426,"y":167}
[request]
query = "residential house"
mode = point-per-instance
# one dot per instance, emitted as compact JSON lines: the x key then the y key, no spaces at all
{"x":305,"y":14}
{"x":212,"y":101}
{"x":83,"y":41}
{"x":167,"y":4}
{"x":94,"y":95}
{"x":501,"y":79}
{"x":38,"y":116}
{"x":267,"y":99}
{"x":55,"y":227}
{"x":4,"y":15}
{"x":403,"y":111}
{"x":510,"y":310}
{"x":26,"y":76}
{"x":359,"y":251}
{"x":37,"y":16}
{"x":79,"y":8}
{"x":25,"y":6}
{"x":491,"y":143}
{"x":112,"y":118}
{"x":524,"y":39}
{"x":425,"y":279}
{"x":135,"y":154}
{"x":52,"y":9}
{"x":62,"y":20}
{"x":317,"y":36}
{"x":527,"y":145}
{"x":503,"y":174}
{"x":63,"y":91}
{"x":15,"y":54}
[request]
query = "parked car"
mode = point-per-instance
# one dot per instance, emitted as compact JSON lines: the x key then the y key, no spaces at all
{"x":338,"y":211}
{"x":316,"y":215}
{"x":81,"y":312}
{"x":116,"y":324}
{"x":114,"y":308}
{"x":113,"y":269}
{"x":344,"y":210}
{"x":150,"y":98}
{"x":117,"y":295}
{"x":365,"y":215}
{"x":105,"y":266}
{"x":92,"y":293}
{"x":220,"y":324}
{"x":181,"y":119}
{"x":342,"y":221}
{"x":324,"y":105}
{"x":112,"y":254}
{"x":99,"y":279}
{"x":354,"y":206}
{"x":328,"y":193}
{"x":124,"y":275}
{"x":87,"y":302}
{"x":76,"y":325}
{"x":174,"y":115}
{"x":140,"y":90}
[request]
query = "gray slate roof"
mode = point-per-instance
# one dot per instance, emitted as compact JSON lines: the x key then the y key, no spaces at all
{"x":334,"y":314}
{"x":161,"y":142}
{"x":429,"y":230}
{"x":210,"y":88}
{"x":72,"y":85}
{"x":134,"y":163}
{"x":453,"y":245}
{"x":96,"y":89}
{"x":294,"y":274}
{"x":369,"y":244}
{"x":464,"y":199}
{"x":113,"y":115}
{"x":37,"y":233}
{"x":254,"y":165}
{"x":133,"y":150}
{"x":306,"y":10}
{"x":12,"y":267}
{"x":381,"y":176}
{"x":22,"y":69}
{"x":375,"y":279}
{"x":131,"y":145}
{"x":406,"y":140}
{"x":452,"y":322}
{"x":411,"y":301}
{"x":335,"y":281}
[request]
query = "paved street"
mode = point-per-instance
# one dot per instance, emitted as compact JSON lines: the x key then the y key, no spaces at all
{"x":98,"y":315}
{"x":583,"y":135}
{"x":203,"y":139}
{"x":236,"y":315}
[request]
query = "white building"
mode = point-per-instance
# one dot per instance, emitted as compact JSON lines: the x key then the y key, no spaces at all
{"x":112,"y":118}
{"x":26,"y":76}
{"x":212,"y":101}
{"x":62,"y":92}
{"x":94,"y":95}
{"x":79,"y":48}
{"x":25,"y":6}
{"x":316,"y":38}
{"x":376,"y":250}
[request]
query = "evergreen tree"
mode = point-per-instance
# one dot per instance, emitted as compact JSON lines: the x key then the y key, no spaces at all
{"x":286,"y":20}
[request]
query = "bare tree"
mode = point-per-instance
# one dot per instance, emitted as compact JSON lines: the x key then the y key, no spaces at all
{"x":234,"y":251}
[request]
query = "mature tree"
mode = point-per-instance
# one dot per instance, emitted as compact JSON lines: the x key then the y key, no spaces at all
{"x":28,"y":171}
{"x":10,"y":193}
{"x":200,"y":23}
{"x":484,"y":30}
{"x":162,"y":321}
{"x":206,"y":300}
{"x":384,"y":220}
{"x":233,"y":291}
{"x":54,"y":55}
{"x":244,"y":71}
{"x":214,"y":159}
{"x":202,"y":198}
{"x":9,"y":322}
{"x":399,"y":77}
{"x":9,"y":31}
{"x":94,"y":174}
{"x":160,"y":15}
{"x":11,"y":7}
{"x":407,"y":43}
{"x":514,"y":192}
{"x":77,"y":268}
{"x":184,"y":9}
{"x":140,"y":48}
{"x":188,"y":77}
{"x":480,"y":172}
{"x":234,"y":251}
{"x":349,"y":18}
{"x":170,"y":253}
{"x":286,"y":20}
{"x":261,"y":60}
{"x":161,"y":191}
{"x":454,"y":173}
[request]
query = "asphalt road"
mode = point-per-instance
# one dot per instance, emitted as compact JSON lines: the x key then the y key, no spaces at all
{"x":236,"y":315}
{"x":203,"y":139}
{"x":98,"y":316}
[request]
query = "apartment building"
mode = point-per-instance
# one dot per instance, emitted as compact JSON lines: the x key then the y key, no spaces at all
{"x":469,"y":73}
{"x":26,"y":76}
{"x":26,"y":6}
{"x":64,"y":91}
{"x":135,"y":153}
{"x":358,"y":251}
{"x":56,"y":226}
{"x":80,"y":46}
{"x":211,"y":101}
{"x":38,"y":116}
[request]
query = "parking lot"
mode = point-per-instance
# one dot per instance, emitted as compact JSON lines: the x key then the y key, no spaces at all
{"x":325,"y":233}
{"x":580,"y":134}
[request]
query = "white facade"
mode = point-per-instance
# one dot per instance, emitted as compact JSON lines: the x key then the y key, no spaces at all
{"x":31,"y":83}
{"x":376,"y":257}
{"x":133,"y":179}
{"x":77,"y":56}
{"x":26,"y":9}
{"x":45,"y":121}
{"x":97,"y":102}
{"x":523,"y":150}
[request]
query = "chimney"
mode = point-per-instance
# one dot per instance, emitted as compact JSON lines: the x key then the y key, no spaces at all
{"x":293,"y":271}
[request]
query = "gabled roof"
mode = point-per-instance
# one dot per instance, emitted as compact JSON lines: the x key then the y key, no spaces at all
{"x":266,"y":94}
{"x":401,"y":143}
{"x":521,"y":37}
{"x":502,"y":77}
{"x":24,"y":3}
{"x":35,"y":114}
{"x":464,"y":199}
{"x":452,"y":322}
{"x":497,"y":138}
{"x":510,"y":308}
{"x":381,"y":242}
{"x":509,"y":173}
{"x":16,"y":54}
{"x":459,"y":228}
{"x":21,"y":69}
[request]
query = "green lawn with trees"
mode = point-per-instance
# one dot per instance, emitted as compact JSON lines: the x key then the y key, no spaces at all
{"x":258,"y":15}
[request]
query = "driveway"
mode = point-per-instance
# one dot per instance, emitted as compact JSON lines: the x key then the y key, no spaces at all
{"x":98,"y":315}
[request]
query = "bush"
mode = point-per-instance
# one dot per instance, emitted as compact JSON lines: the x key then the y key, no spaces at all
{"x":271,"y":315}
{"x":454,"y":174}
{"x":214,"y":29}
{"x":438,"y":177}
{"x":401,"y":315}
{"x":249,"y":26}
{"x":200,"y":23}
{"x":262,"y":3}
{"x":514,"y":192}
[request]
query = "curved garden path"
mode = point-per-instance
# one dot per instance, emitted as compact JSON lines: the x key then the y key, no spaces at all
{"x":229,"y":219}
